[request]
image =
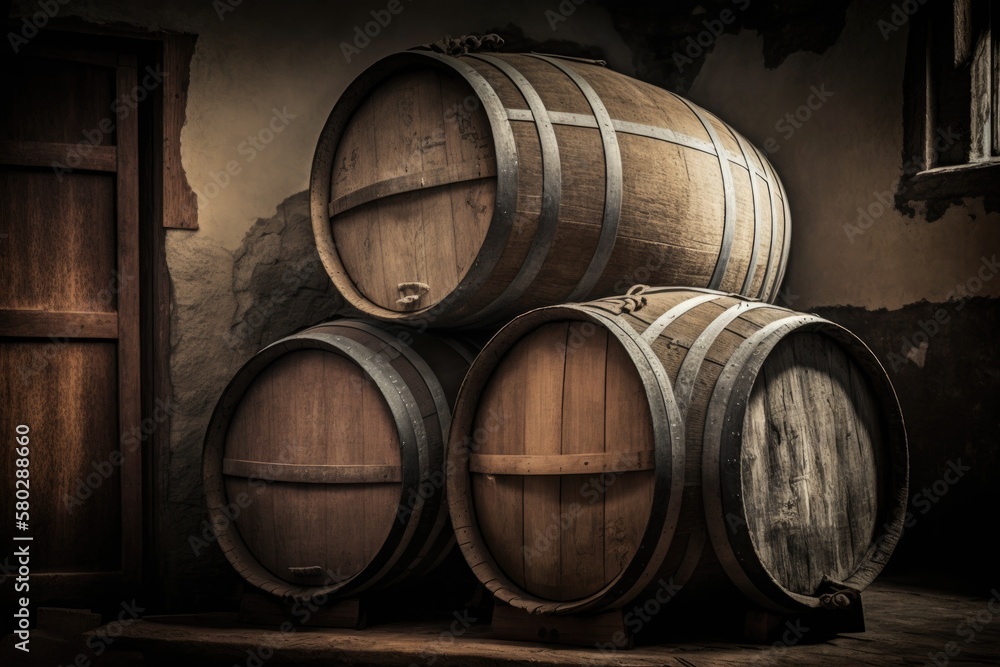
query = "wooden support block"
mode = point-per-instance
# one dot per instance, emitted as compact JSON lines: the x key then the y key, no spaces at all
{"x":578,"y":630}
{"x":259,"y":609}
{"x":62,"y":622}
{"x":766,"y":627}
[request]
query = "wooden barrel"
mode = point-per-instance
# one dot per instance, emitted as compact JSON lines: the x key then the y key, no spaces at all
{"x":466,"y":190}
{"x":678,"y":435}
{"x":324,"y":459}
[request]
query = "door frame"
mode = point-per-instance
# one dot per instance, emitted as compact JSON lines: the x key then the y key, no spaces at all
{"x":165,"y":200}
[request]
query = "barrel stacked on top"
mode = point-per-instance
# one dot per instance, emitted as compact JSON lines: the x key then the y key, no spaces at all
{"x":679,"y":432}
{"x":462,"y":191}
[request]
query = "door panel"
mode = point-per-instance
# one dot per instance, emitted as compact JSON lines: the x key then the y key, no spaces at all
{"x":62,"y":252}
{"x":74,"y":100}
{"x":69,"y":317}
{"x":75,"y":497}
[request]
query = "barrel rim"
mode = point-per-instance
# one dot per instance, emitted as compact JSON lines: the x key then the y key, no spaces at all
{"x":504,"y":208}
{"x":410,"y":429}
{"x":669,"y":465}
{"x":722,"y":487}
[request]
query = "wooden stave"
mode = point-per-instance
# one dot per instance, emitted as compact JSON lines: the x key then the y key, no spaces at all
{"x":667,"y":487}
{"x":426,"y":532}
{"x":688,"y":558}
{"x":439,"y":538}
{"x":709,"y":122}
{"x":461,"y":308}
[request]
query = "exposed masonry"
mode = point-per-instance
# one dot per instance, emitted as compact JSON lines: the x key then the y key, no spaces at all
{"x":278,"y":280}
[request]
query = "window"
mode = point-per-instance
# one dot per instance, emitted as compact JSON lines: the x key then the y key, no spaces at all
{"x":952,"y":132}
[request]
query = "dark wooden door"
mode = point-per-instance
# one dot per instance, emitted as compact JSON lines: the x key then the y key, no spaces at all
{"x":69,"y":318}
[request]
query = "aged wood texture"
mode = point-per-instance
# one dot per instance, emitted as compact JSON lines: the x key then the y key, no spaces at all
{"x":574,"y":539}
{"x":753,"y":441}
{"x":69,"y":313}
{"x":499,"y":183}
{"x":330,"y":442}
{"x":180,"y":204}
{"x":811,"y":509}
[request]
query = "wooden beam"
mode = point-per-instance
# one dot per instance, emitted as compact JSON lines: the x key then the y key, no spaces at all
{"x":418,"y":180}
{"x":964,"y":180}
{"x":560,"y":464}
{"x":83,"y":156}
{"x":312,"y":474}
{"x":180,"y":204}
{"x":58,"y":325}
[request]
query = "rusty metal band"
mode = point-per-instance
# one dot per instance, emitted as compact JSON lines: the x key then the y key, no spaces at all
{"x":664,"y":134}
{"x":688,"y":372}
{"x":435,"y":459}
{"x":654,"y":330}
{"x":669,"y":457}
{"x":505,"y":208}
{"x":548,"y":218}
{"x":416,"y":459}
{"x":612,"y":182}
{"x":723,"y":427}
{"x":415,"y":360}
